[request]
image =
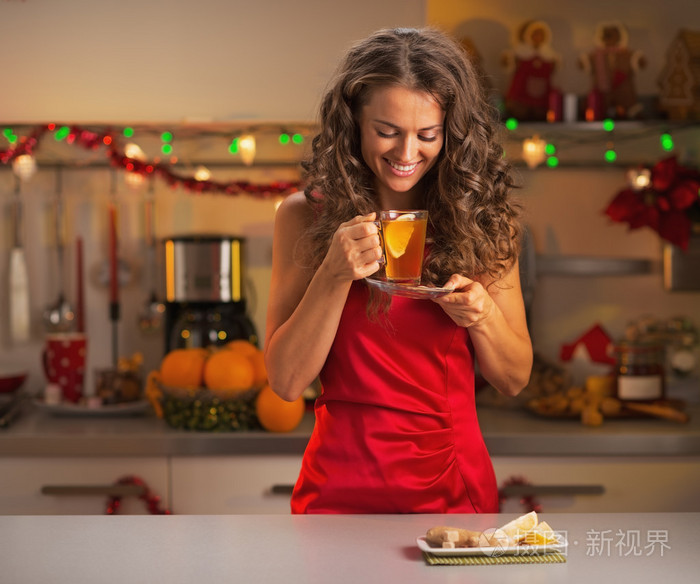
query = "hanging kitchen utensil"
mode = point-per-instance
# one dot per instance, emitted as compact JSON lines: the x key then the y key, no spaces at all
{"x":153,"y":311}
{"x":59,"y":316}
{"x":19,"y":279}
{"x":113,"y":271}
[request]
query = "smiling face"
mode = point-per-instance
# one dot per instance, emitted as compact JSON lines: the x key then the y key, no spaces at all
{"x":401,"y":133}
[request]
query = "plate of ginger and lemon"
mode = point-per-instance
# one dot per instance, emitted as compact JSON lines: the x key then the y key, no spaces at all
{"x":525,"y":535}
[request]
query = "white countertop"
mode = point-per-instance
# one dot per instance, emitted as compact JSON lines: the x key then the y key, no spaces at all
{"x":358,"y":549}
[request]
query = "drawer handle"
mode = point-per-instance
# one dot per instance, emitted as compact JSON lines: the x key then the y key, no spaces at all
{"x":282,"y":489}
{"x":98,"y":490}
{"x":545,"y":490}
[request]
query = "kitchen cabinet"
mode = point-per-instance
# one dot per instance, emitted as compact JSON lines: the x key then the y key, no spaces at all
{"x":233,"y":484}
{"x":23,"y":481}
{"x":629,"y":484}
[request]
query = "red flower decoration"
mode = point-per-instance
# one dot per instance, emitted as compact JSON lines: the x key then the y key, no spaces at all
{"x":669,"y":205}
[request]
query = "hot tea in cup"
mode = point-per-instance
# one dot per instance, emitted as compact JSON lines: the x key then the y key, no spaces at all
{"x":403,"y":242}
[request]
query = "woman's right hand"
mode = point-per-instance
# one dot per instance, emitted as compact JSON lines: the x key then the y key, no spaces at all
{"x":355,"y":250}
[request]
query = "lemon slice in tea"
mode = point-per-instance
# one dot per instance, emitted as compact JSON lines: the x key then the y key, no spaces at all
{"x":397,"y":234}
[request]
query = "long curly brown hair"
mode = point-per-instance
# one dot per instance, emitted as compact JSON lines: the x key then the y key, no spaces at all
{"x":474,"y":226}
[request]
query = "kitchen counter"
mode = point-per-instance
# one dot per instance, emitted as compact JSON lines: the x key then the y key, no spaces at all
{"x":342,"y":548}
{"x":507,"y":433}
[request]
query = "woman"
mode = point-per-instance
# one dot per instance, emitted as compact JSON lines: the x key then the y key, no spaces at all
{"x":404,"y":125}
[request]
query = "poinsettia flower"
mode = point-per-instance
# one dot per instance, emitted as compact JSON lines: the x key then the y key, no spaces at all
{"x":669,"y":205}
{"x":684,"y":195}
{"x":663,"y":174}
{"x":625,"y":205}
{"x":674,"y":227}
{"x":645,"y":217}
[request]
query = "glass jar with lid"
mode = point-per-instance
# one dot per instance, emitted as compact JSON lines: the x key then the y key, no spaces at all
{"x":640,"y":370}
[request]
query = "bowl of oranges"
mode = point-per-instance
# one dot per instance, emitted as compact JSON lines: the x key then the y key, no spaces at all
{"x":223,"y":388}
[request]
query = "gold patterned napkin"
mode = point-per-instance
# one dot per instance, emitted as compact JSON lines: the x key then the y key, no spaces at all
{"x":549,"y":558}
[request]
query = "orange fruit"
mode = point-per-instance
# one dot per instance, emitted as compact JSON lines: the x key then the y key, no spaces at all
{"x":228,"y":372}
{"x":276,"y":414}
{"x":257,"y":360}
{"x":242,"y":346}
{"x":183,"y":367}
{"x":256,"y":357}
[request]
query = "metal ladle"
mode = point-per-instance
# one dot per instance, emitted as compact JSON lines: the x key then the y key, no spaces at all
{"x":59,"y":316}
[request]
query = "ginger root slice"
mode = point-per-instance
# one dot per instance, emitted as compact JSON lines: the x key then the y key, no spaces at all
{"x":437,"y":536}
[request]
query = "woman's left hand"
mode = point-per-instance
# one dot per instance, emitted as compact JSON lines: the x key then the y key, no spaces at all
{"x":470,"y":304}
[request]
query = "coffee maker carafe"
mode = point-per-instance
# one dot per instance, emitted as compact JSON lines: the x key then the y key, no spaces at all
{"x":205,"y":292}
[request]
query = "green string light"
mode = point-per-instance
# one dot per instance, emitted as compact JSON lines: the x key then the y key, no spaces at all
{"x":233,"y":147}
{"x":610,"y":156}
{"x":511,"y":124}
{"x":552,"y":161}
{"x":608,"y":125}
{"x":284,"y":139}
{"x":297,"y":138}
{"x":61,"y":133}
{"x":166,"y":148}
{"x":128,"y":132}
{"x":9,"y":133}
{"x":667,"y":142}
{"x":550,"y":149}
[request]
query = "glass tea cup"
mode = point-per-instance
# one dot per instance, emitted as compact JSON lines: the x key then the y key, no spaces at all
{"x":402,"y":233}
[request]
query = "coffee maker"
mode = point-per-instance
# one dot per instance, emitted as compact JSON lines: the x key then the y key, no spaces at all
{"x":205,"y":292}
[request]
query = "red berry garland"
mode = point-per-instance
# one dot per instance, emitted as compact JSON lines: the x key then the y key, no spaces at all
{"x":151,"y":500}
{"x":93,"y":140}
{"x":528,"y":502}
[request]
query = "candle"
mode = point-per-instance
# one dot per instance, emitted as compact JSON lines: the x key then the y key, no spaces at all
{"x":80,"y":308}
{"x":113,"y":272}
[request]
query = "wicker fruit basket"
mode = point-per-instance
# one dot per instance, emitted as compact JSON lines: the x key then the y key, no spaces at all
{"x":198,"y":408}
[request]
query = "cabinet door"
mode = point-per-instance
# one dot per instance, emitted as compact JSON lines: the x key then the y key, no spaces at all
{"x":630,"y":484}
{"x":233,"y":484}
{"x":22,"y":481}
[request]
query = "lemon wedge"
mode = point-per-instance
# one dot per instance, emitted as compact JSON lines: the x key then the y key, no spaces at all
{"x":518,"y":528}
{"x":543,"y":534}
{"x":397,"y":234}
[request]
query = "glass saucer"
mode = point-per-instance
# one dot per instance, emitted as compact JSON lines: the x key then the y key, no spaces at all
{"x":407,"y":291}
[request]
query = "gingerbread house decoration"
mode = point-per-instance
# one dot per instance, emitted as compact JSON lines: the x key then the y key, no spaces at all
{"x":679,"y":81}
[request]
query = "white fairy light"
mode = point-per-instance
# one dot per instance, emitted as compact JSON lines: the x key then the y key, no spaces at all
{"x":639,"y":178}
{"x":246,"y":147}
{"x":202,"y":173}
{"x":134,"y":179}
{"x":534,"y":151}
{"x":134,"y":152}
{"x":24,"y":166}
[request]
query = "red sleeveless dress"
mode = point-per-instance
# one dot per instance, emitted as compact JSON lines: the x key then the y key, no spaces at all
{"x":396,"y":426}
